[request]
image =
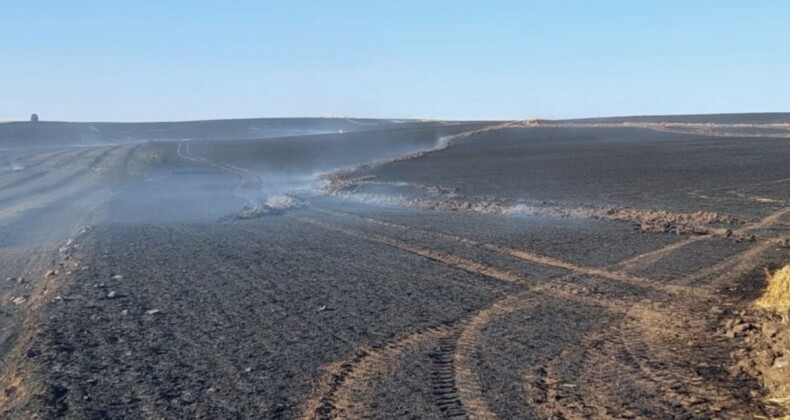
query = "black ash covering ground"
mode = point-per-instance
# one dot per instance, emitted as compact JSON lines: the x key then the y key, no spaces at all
{"x":509,"y":275}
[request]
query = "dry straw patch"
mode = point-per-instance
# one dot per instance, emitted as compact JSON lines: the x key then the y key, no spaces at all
{"x":777,"y":295}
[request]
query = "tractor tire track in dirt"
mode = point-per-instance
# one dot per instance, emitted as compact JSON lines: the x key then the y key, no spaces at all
{"x":532,"y":257}
{"x":73,"y":186}
{"x":56,"y":179}
{"x":432,"y":254}
{"x":627,"y":337}
{"x":461,"y":396}
{"x":250,"y":183}
{"x":344,"y":391}
{"x":47,"y":173}
{"x":345,"y":387}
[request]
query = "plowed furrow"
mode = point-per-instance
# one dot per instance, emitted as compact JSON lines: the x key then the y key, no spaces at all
{"x":250,"y":183}
{"x":524,"y":255}
{"x":61,"y":175}
{"x":73,"y":186}
{"x":48,"y":176}
{"x":451,"y":260}
{"x":346,"y":386}
{"x":730,"y":269}
{"x":648,"y":258}
{"x":628,"y":356}
{"x":470,"y":395}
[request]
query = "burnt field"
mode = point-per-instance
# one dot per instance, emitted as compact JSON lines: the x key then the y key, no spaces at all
{"x":406,"y":270}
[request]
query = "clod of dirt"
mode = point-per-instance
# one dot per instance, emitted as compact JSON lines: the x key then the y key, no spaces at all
{"x":644,"y":220}
{"x":765,"y":334}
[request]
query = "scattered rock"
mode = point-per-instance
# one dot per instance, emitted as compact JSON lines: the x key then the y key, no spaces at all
{"x":770,"y":330}
{"x":112,"y":295}
{"x":741,"y":328}
{"x":781,"y":362}
{"x":19,"y":300}
{"x":52,"y":273}
{"x":153,"y":312}
{"x":117,"y":277}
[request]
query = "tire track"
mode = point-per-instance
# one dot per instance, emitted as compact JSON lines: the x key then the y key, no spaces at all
{"x":735,"y":266}
{"x":618,"y":358}
{"x":469,"y":400}
{"x":524,"y":255}
{"x":466,"y":384}
{"x":463,"y":395}
{"x":443,"y":378}
{"x":741,"y":263}
{"x":341,"y":378}
{"x":654,"y":361}
{"x":451,"y":260}
{"x":30,"y":163}
{"x":546,"y":393}
{"x":469,"y":342}
{"x":645,"y":260}
{"x":53,"y":162}
{"x":242,"y":271}
{"x":61,"y":179}
{"x":248,"y":180}
{"x":654,"y":256}
{"x":65,"y":189}
{"x":345,"y":388}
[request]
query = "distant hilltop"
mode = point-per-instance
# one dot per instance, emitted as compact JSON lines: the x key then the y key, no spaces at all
{"x":37,"y":133}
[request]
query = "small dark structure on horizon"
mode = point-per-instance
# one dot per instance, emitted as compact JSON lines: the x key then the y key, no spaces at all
{"x":34,"y":118}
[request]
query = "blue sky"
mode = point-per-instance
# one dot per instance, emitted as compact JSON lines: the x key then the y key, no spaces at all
{"x":180,"y":60}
